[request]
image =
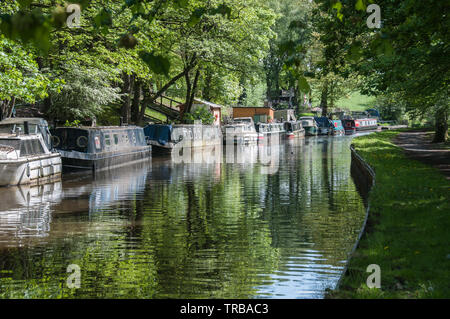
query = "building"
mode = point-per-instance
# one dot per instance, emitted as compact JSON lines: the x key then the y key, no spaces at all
{"x":259,"y":114}
{"x":285,"y":115}
{"x":216,"y":109}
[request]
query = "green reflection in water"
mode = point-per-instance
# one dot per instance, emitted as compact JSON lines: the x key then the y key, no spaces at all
{"x":165,"y":230}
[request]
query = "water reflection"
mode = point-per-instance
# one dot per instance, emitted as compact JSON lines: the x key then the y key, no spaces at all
{"x":25,"y":212}
{"x":246,"y":228}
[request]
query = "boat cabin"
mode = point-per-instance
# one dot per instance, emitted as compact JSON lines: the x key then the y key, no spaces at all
{"x":100,"y":147}
{"x":16,"y":125}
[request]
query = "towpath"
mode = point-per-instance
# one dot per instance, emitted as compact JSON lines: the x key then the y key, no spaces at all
{"x":417,"y":145}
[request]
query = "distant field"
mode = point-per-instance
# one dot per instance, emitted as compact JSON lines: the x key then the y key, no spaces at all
{"x":356,"y":102}
{"x":155,"y":114}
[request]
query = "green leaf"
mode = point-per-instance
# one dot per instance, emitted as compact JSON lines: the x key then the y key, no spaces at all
{"x":157,"y":63}
{"x":360,"y":5}
{"x":222,"y":9}
{"x":24,"y":3}
{"x":337,"y":6}
{"x":303,"y":84}
{"x":103,"y":18}
{"x":355,"y":52}
{"x":195,"y":17}
{"x":181,"y":3}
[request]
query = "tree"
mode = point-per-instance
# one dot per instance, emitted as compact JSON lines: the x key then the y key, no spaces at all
{"x":407,"y":57}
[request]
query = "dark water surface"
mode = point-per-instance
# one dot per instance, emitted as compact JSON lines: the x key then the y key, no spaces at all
{"x":163,"y":230}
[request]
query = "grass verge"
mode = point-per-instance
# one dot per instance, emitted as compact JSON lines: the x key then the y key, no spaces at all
{"x":407,"y":233}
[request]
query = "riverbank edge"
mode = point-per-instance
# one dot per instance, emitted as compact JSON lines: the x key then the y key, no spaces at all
{"x":352,"y":283}
{"x":368,"y":174}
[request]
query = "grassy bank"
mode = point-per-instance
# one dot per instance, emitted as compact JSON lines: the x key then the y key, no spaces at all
{"x":408,"y":231}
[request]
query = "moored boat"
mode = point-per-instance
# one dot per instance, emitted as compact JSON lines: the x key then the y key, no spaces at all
{"x":270,"y":130}
{"x":352,"y":126}
{"x":310,"y":125}
{"x":99,"y":148}
{"x":294,"y":130}
{"x":324,"y":125}
{"x":337,"y":129}
{"x":240,"y":132}
{"x":25,"y":155}
{"x":165,"y":137}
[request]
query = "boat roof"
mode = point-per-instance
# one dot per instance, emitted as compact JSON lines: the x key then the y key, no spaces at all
{"x":18,"y":137}
{"x":96,"y":128}
{"x":20,"y":120}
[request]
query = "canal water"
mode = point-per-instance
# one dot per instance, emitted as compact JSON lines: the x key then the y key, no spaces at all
{"x":281,"y":228}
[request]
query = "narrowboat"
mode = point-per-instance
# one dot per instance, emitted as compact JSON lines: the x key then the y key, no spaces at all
{"x":336,"y":128}
{"x":25,"y":154}
{"x":294,"y":129}
{"x":324,"y":125}
{"x":269,"y":130}
{"x":310,"y":125}
{"x":352,"y":126}
{"x":240,"y":133}
{"x":165,"y":137}
{"x":100,"y":148}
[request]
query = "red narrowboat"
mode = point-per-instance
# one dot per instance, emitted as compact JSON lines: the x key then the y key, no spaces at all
{"x":359,"y":125}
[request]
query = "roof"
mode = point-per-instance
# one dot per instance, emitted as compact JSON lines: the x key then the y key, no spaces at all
{"x":210,"y":104}
{"x":253,"y":107}
{"x":94,"y":128}
{"x":20,"y":120}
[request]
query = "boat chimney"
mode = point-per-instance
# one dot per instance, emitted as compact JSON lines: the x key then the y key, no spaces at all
{"x":26,"y":128}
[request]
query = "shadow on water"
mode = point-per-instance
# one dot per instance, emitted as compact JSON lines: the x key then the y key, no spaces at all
{"x":271,"y":222}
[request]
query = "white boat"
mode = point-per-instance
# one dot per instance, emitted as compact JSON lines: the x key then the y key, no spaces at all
{"x":25,"y":154}
{"x":240,"y":132}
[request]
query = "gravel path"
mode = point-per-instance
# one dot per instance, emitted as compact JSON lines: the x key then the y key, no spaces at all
{"x":417,"y":145}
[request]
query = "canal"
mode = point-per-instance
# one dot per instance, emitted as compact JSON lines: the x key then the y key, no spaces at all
{"x":281,"y":228}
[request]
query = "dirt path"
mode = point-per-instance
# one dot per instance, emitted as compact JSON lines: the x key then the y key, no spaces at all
{"x":417,"y":145}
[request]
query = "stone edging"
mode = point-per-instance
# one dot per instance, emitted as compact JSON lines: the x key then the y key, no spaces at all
{"x":370,"y":176}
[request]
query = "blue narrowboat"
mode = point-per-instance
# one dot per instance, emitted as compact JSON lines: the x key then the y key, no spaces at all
{"x":164,"y":137}
{"x":99,"y":148}
{"x":324,"y":125}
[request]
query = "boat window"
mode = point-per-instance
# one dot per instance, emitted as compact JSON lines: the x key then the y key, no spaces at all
{"x":116,"y":139}
{"x":31,"y":147}
{"x":71,"y":140}
{"x":107,"y":140}
{"x":98,"y":145}
{"x":12,"y":128}
{"x":11,"y":143}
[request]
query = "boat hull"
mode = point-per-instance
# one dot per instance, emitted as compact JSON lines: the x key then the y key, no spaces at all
{"x":102,"y":161}
{"x":295,"y":134}
{"x":311,"y":131}
{"x":35,"y":170}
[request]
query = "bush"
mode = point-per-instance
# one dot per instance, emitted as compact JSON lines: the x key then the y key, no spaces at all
{"x":199,"y":114}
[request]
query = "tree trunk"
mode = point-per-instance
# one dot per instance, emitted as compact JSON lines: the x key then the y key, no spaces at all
{"x":127,"y":89}
{"x":188,"y":96}
{"x":441,"y":126}
{"x":7,"y":107}
{"x":146,"y":92}
{"x":135,"y":114}
{"x":324,"y":100}
{"x":206,"y":94}
{"x":193,"y":91}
